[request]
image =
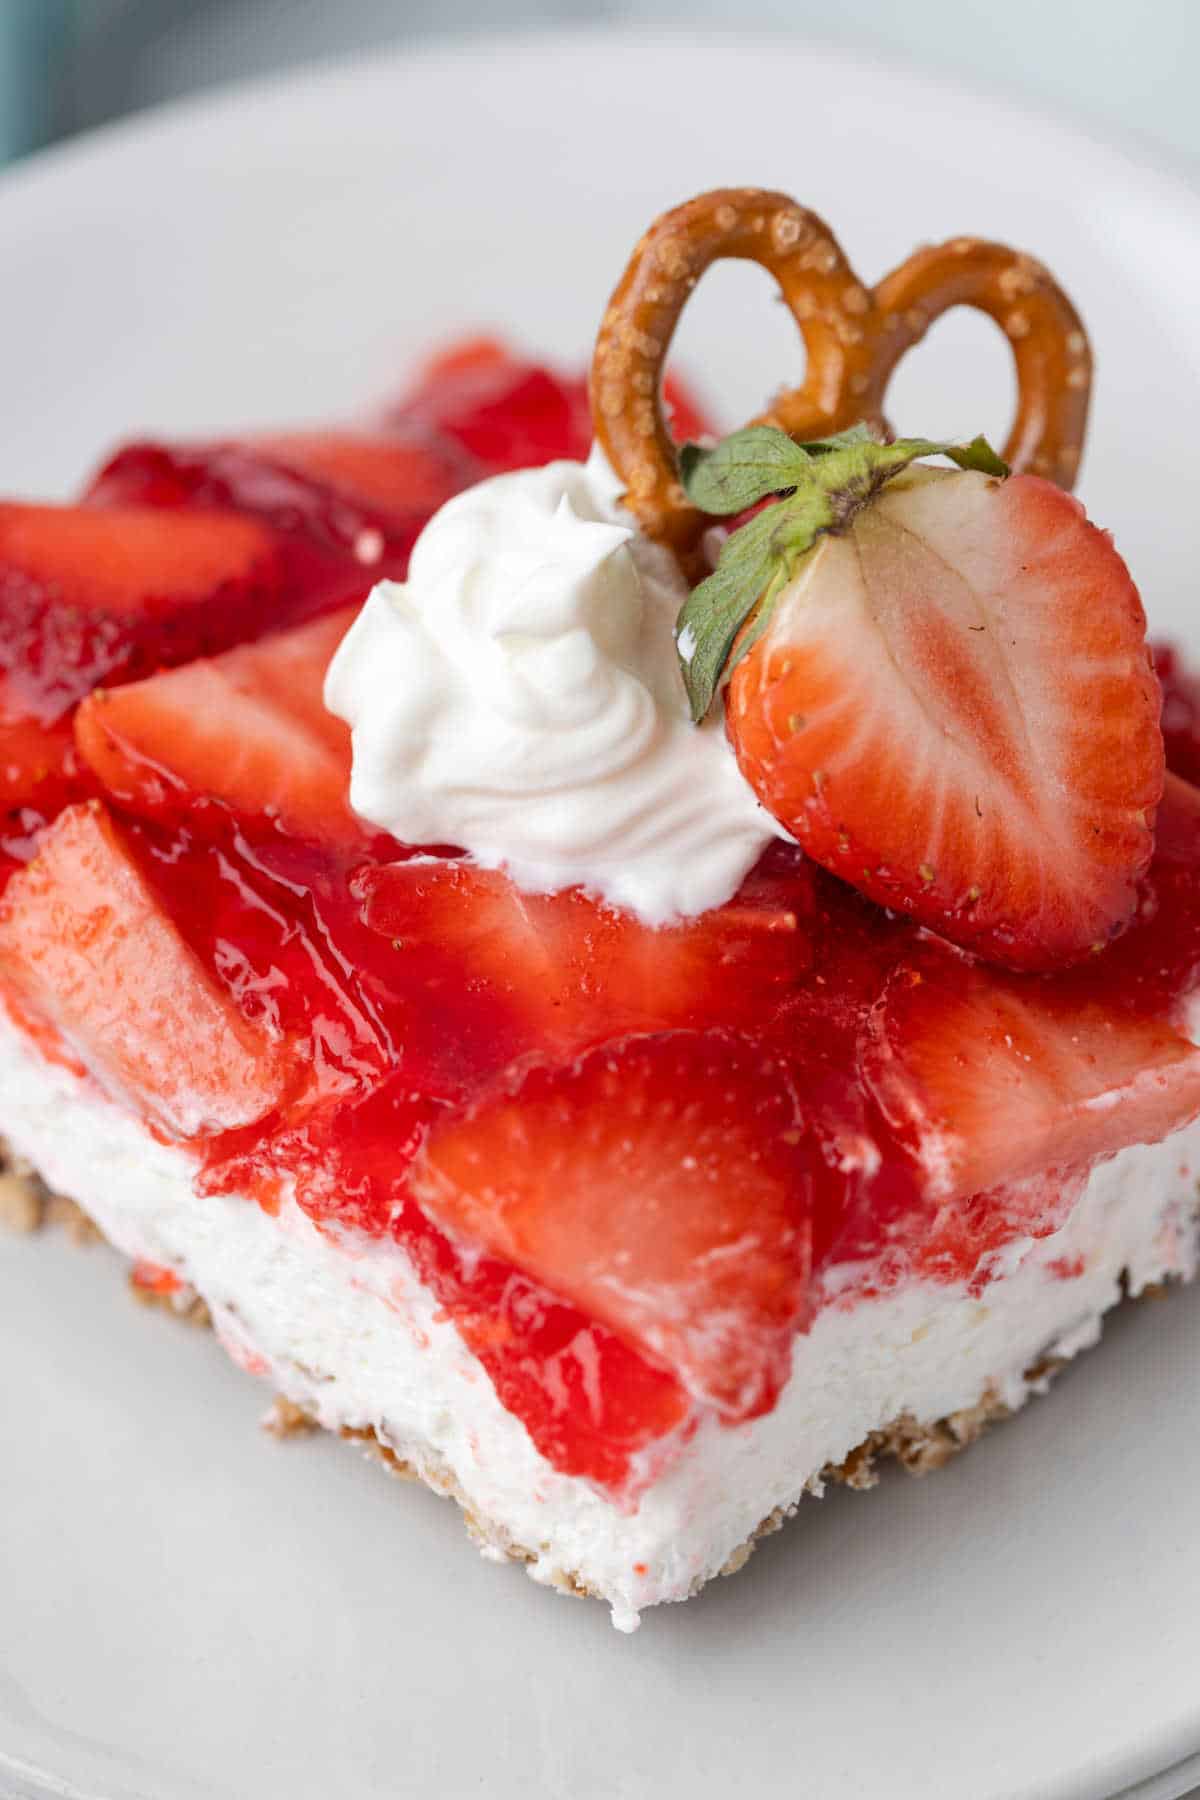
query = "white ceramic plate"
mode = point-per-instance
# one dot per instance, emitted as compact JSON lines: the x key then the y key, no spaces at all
{"x":188,"y":1610}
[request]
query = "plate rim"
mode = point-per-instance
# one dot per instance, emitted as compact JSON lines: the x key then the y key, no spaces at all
{"x":1129,"y":145}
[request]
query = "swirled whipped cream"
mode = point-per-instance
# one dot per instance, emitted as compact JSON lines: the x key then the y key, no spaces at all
{"x":519,"y":696}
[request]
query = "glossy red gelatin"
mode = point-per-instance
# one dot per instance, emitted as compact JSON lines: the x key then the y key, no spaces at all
{"x":406,"y":991}
{"x":399,"y":1032}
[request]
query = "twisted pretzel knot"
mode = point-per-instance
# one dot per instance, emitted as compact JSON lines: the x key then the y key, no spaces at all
{"x":854,"y":337}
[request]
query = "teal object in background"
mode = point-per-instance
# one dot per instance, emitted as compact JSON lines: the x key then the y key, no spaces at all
{"x":31,"y":39}
{"x":66,"y":65}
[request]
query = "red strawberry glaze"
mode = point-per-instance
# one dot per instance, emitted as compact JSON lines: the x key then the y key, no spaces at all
{"x":1180,"y":711}
{"x":398,"y":1033}
{"x":336,"y":543}
{"x":394,"y":1040}
{"x":510,"y":413}
{"x":413,"y":993}
{"x":401,"y":1034}
{"x":336,"y":510}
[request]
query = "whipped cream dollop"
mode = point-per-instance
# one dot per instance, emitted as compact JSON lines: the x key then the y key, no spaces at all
{"x":519,"y":696}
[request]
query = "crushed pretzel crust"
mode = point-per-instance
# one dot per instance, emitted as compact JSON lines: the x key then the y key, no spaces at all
{"x":26,"y":1204}
{"x":284,"y":1419}
{"x":182,"y":1302}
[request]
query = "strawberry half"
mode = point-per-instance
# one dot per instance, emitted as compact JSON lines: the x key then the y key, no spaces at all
{"x":945,"y":695}
{"x":87,"y":948}
{"x":657,"y":1184}
{"x":248,"y":729}
{"x":988,"y":1078}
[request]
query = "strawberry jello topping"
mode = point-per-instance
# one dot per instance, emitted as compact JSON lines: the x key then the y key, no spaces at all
{"x":632,"y":1153}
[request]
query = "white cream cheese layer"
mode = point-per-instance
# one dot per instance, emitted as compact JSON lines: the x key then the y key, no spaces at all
{"x":519,"y":696}
{"x":348,"y":1333}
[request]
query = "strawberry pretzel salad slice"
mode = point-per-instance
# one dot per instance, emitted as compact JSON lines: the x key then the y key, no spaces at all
{"x":636,"y":979}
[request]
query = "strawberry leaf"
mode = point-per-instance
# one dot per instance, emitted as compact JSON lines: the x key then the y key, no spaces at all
{"x":823,"y":485}
{"x":841,"y":440}
{"x":755,"y":564}
{"x":977,"y":455}
{"x":741,"y":470}
{"x":714,"y":613}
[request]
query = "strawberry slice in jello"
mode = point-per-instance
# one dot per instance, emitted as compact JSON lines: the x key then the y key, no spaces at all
{"x":88,"y":597}
{"x":37,"y":762}
{"x":346,"y":507}
{"x":985,"y":1078}
{"x":91,"y":598}
{"x":574,"y":971}
{"x":511,"y":413}
{"x":655,"y":1183}
{"x":246,"y":729}
{"x":87,"y":948}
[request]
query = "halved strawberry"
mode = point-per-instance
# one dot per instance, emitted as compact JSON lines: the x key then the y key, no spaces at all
{"x":989,"y":1079}
{"x":952,"y":707}
{"x":248,"y":729}
{"x":88,"y":596}
{"x":576,"y":971}
{"x":657,"y":1184}
{"x":87,"y":948}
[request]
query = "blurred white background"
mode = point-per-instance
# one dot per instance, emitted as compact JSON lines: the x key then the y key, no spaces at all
{"x":1126,"y":65}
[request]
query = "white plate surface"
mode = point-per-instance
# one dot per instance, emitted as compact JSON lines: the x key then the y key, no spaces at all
{"x":188,"y":1610}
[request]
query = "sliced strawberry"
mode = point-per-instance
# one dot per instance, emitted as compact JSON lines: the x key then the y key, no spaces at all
{"x":1154,"y":968}
{"x":86,"y":946}
{"x":248,"y":729}
{"x":507,"y":412}
{"x":575,"y":971}
{"x":1180,"y":711}
{"x":990,"y":1079}
{"x":510,"y":413}
{"x":657,"y":1184}
{"x":37,"y":762}
{"x":89,"y":596}
{"x":952,"y":707}
{"x":408,"y":477}
{"x":333,"y":542}
{"x":1177,"y":826}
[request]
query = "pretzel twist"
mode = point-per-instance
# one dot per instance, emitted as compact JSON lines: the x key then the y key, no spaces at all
{"x":854,"y":337}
